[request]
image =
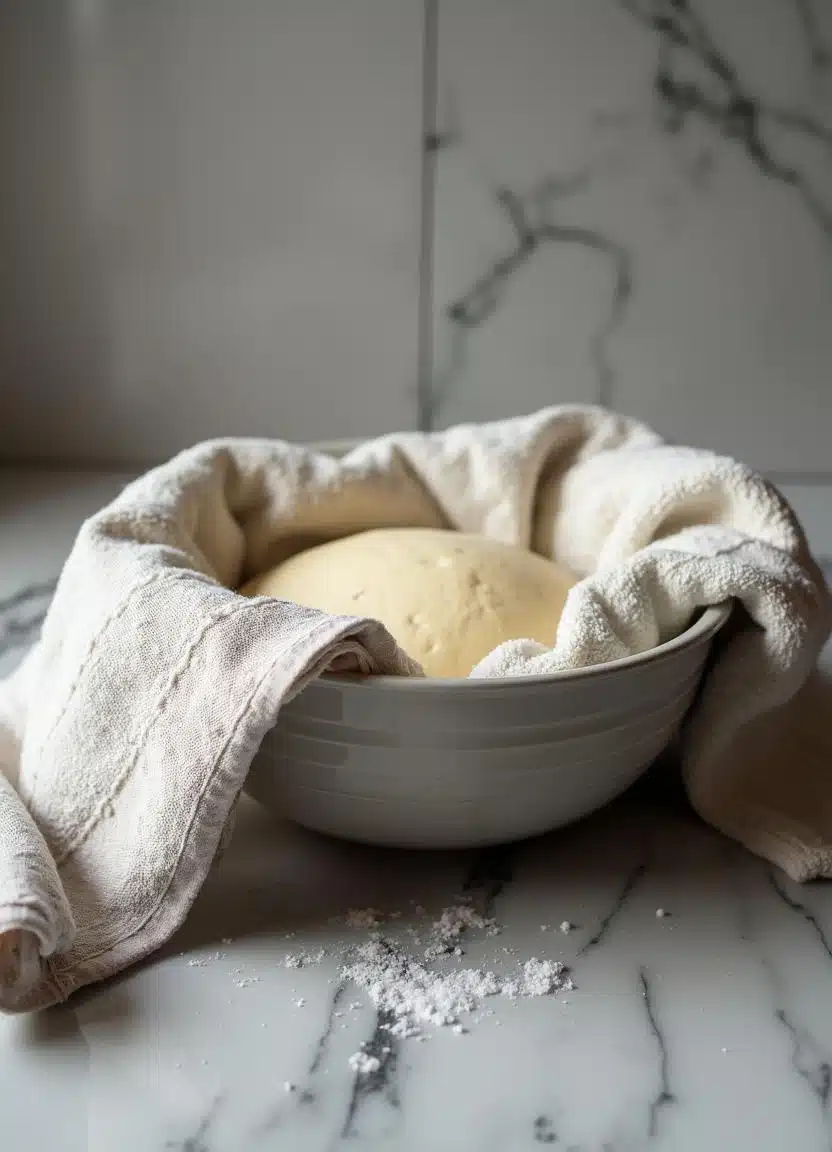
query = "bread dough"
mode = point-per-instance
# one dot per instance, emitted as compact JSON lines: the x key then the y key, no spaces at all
{"x":448,"y":598}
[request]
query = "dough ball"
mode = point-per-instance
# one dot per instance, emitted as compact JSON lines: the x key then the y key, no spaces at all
{"x":448,"y":598}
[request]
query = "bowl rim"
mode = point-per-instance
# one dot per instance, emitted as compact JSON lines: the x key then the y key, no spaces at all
{"x":704,"y":628}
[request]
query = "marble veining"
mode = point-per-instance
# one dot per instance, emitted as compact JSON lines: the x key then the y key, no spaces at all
{"x":383,"y":1081}
{"x":645,"y":226}
{"x":534,"y":222}
{"x":491,"y":871}
{"x":22,"y":614}
{"x":809,"y":1055}
{"x":663,"y":1096}
{"x":720,"y":96}
{"x":819,"y":53}
{"x":807,"y":1060}
{"x":200,"y":1140}
{"x":796,"y":906}
{"x":617,"y":907}
{"x":543,"y":1131}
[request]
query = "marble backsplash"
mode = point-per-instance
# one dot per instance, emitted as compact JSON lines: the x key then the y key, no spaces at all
{"x":634,"y":205}
{"x":321,"y":219}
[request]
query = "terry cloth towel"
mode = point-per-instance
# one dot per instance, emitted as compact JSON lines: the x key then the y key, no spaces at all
{"x":127,"y":733}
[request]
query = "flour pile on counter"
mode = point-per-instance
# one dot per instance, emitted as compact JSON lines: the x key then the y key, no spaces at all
{"x":411,"y":992}
{"x":414,"y":995}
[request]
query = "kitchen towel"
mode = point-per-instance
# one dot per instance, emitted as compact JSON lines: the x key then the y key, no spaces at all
{"x":127,"y":733}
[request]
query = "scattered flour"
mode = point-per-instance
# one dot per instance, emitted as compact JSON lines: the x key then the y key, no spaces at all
{"x":414,"y":995}
{"x":303,"y":959}
{"x":451,"y":925}
{"x":453,"y":921}
{"x":241,"y":980}
{"x":363,"y":1064}
{"x":204,"y":961}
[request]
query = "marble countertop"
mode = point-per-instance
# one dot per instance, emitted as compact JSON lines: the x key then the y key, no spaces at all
{"x":709,"y":1027}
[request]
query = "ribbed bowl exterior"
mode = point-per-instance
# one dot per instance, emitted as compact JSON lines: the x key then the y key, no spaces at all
{"x":455,"y":764}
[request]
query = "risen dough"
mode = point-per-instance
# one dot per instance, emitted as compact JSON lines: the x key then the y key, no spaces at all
{"x":448,"y":599}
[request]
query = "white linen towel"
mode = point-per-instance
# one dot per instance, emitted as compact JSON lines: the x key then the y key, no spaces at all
{"x":126,"y":735}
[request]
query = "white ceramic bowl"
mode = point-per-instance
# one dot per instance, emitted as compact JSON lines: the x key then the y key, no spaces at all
{"x":459,"y":763}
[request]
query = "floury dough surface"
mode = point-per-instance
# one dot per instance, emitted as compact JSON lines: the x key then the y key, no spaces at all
{"x":447,"y":597}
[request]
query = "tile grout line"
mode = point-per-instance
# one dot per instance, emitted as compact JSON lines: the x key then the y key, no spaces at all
{"x":430,"y":66}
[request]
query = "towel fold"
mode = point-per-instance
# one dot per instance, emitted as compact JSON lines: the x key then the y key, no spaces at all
{"x":127,"y":733}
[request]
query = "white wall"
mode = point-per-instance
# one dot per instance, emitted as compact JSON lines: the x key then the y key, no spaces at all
{"x":209,"y":222}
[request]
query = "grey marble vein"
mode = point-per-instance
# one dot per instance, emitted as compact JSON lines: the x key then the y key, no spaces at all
{"x":22,"y":614}
{"x":809,"y":1063}
{"x":324,"y":1038}
{"x":308,"y":1094}
{"x":810,"y":1058}
{"x":26,"y":594}
{"x":536,"y":225}
{"x":819,"y":52}
{"x":801,"y":910}
{"x":383,"y":1082}
{"x":198,"y":1141}
{"x":724,"y":100}
{"x":627,"y":889}
{"x":663,"y":1096}
{"x":544,"y":1132}
{"x":491,"y":871}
